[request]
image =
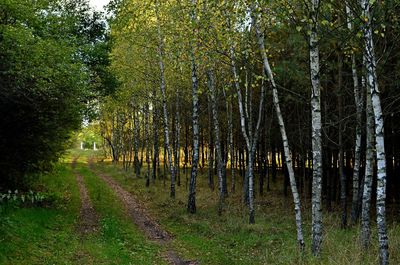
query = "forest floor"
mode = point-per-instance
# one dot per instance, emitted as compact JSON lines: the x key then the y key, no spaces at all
{"x":101,"y":214}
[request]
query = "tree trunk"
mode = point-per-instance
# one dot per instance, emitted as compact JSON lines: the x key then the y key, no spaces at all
{"x":217,"y":134}
{"x":147,"y":138}
{"x":355,"y":209}
{"x":369,"y":162}
{"x":155,"y":137}
{"x":136,"y":126}
{"x":177,"y":138}
{"x":195,"y":117}
{"x":210,"y":147}
{"x":372,"y":81}
{"x":164,"y":104}
{"x":315,"y":132}
{"x":282,"y":128}
{"x":230,"y":148}
{"x":342,"y":173}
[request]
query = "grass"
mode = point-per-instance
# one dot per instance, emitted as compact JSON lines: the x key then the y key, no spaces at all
{"x":120,"y":241}
{"x":229,"y":239}
{"x":48,"y":235}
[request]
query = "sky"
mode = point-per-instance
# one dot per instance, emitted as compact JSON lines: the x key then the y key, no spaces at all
{"x":98,"y":4}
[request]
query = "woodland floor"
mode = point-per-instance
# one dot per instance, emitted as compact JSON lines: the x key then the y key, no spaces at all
{"x":101,"y":214}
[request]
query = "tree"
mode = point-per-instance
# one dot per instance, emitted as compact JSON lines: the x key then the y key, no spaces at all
{"x":45,"y":81}
{"x":195,"y":114}
{"x":372,"y":84}
{"x":289,"y":165}
{"x":316,"y":129}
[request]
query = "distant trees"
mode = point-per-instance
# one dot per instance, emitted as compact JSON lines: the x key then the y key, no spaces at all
{"x":51,"y":58}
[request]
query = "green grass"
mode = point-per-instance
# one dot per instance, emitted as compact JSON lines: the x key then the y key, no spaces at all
{"x":229,"y":239}
{"x":120,"y":241}
{"x":43,"y":235}
{"x":48,"y":235}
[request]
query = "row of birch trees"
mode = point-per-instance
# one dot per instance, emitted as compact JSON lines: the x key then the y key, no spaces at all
{"x":247,"y":88}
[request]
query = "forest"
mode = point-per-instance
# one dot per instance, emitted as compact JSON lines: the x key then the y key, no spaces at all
{"x":200,"y":132}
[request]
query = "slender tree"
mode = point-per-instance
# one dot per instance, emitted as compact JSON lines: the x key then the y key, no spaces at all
{"x":372,"y":81}
{"x":164,"y":100}
{"x":195,"y":113}
{"x":369,"y":162}
{"x":316,"y":226}
{"x":359,"y":108}
{"x":285,"y":141}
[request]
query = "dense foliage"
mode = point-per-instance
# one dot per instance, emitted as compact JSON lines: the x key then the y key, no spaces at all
{"x":53,"y":61}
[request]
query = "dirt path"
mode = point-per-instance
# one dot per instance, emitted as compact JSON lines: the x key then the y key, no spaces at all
{"x":88,"y":218}
{"x":138,"y":214}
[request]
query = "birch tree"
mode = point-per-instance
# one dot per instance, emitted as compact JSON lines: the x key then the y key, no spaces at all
{"x":164,"y":99}
{"x":359,"y":108}
{"x":369,"y":163}
{"x":217,"y":134}
{"x":195,"y":112}
{"x":315,"y":130}
{"x":285,"y":141}
{"x":250,"y":139}
{"x":372,"y":81}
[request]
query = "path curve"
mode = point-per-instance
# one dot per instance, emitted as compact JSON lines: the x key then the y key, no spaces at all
{"x":138,"y":215}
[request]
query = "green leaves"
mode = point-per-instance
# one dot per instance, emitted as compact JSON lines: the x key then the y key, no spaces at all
{"x":49,"y":59}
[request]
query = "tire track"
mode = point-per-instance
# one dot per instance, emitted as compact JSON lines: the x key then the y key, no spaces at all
{"x":139,"y":216}
{"x":88,"y":218}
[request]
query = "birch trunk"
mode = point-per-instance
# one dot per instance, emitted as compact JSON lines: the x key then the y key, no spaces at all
{"x":210,"y":146}
{"x":177,"y":138}
{"x":355,"y":209}
{"x":164,"y":104}
{"x":155,"y":137}
{"x":372,"y":82}
{"x":231,"y":149}
{"x":217,"y":136}
{"x":136,"y":126}
{"x":147,"y":139}
{"x":242,"y":118}
{"x":343,"y":177}
{"x":369,"y":161}
{"x":315,"y":132}
{"x":251,"y":142}
{"x":195,"y":118}
{"x":286,"y":148}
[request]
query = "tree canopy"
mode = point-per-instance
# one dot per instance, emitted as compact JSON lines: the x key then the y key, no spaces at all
{"x":53,"y":62}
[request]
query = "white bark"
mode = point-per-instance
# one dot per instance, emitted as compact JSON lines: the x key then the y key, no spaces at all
{"x":164,"y":103}
{"x":147,"y":141}
{"x":217,"y":135}
{"x":251,"y":140}
{"x":316,"y":132}
{"x":195,"y":117}
{"x":285,"y":141}
{"x":359,"y":108}
{"x":369,"y":161}
{"x":372,"y":82}
{"x":136,"y":136}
